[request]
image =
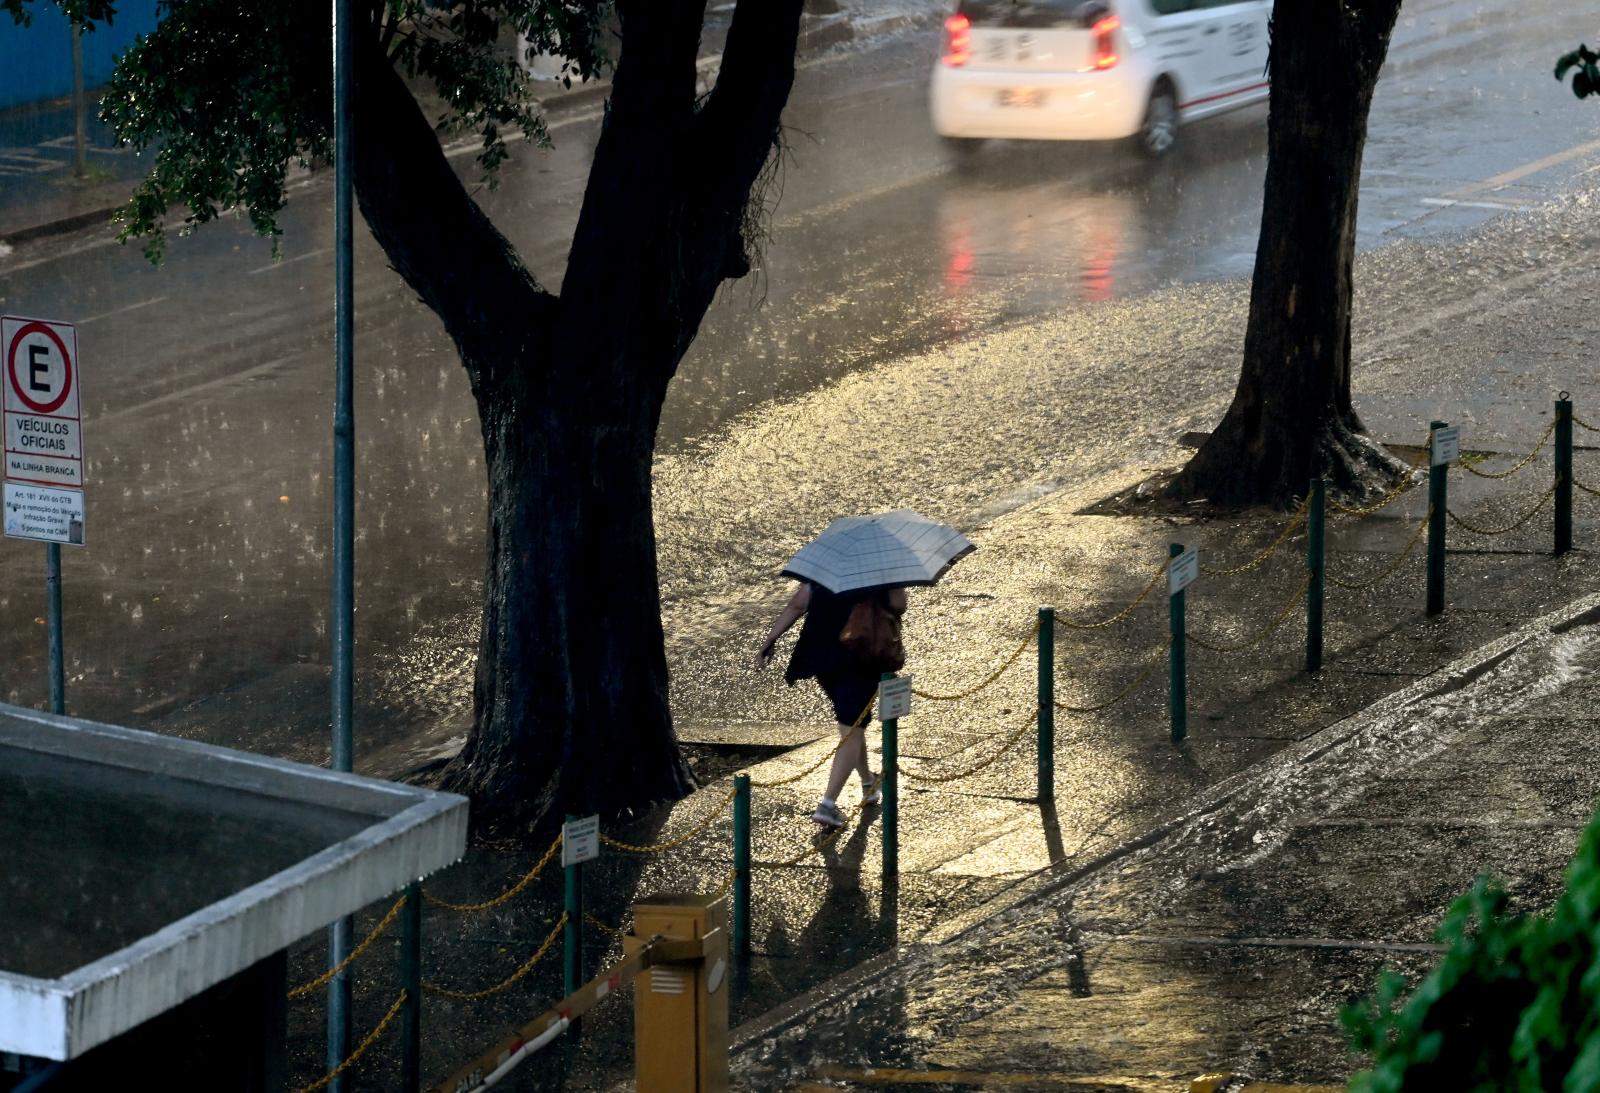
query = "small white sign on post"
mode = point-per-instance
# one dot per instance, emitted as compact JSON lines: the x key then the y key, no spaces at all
{"x":44,"y":513}
{"x":1182,"y":571}
{"x":1446,"y":445}
{"x":580,"y":841}
{"x":894,"y":698}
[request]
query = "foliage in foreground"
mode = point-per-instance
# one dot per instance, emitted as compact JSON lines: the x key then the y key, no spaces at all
{"x":1514,"y":1005}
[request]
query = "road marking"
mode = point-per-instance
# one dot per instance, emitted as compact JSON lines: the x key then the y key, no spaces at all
{"x":1505,"y":178}
{"x":1453,"y":203}
{"x":122,"y":310}
{"x":270,"y":266}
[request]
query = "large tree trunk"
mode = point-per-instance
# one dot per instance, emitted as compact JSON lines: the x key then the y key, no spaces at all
{"x":570,"y":703}
{"x":1291,"y":416}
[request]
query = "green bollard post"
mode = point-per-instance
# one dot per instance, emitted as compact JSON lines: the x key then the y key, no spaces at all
{"x":891,"y":798}
{"x":1047,"y":703}
{"x":741,"y":866}
{"x":1178,"y":699}
{"x":572,"y":936}
{"x":1563,"y":473}
{"x":1316,"y":563}
{"x":1438,"y":503}
{"x":411,"y":983}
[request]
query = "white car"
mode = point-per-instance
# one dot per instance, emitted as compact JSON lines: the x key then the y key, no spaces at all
{"x":1096,"y":69}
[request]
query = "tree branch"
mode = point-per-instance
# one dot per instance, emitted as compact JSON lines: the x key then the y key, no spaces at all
{"x":429,"y":226}
{"x":739,"y":125}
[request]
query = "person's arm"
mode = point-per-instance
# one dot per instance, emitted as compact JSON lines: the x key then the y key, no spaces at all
{"x":797,"y":606}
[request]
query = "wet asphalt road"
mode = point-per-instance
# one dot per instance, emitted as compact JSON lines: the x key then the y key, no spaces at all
{"x":200,"y":605}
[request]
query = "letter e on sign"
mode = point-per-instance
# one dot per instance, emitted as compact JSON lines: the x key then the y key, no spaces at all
{"x":41,"y":366}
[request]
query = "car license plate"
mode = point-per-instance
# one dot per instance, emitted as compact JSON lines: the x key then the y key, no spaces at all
{"x":1021,"y":96}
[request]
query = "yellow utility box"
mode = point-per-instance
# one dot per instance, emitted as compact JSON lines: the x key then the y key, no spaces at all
{"x":680,"y":1007}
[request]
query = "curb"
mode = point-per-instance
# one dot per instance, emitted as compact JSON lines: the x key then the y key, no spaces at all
{"x":824,"y":32}
{"x":1454,"y":676}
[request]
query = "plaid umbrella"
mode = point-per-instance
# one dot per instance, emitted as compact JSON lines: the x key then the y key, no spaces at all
{"x":891,"y":549}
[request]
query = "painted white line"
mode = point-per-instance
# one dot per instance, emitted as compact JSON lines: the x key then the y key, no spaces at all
{"x":122,"y":310}
{"x":270,"y":266}
{"x":1451,"y":202}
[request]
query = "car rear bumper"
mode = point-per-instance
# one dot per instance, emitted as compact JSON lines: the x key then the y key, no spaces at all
{"x":1073,"y":106}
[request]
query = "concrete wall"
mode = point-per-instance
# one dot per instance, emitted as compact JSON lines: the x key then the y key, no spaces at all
{"x":36,"y":60}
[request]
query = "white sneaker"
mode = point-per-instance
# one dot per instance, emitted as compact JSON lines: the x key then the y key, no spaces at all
{"x":828,"y":816}
{"x":872,"y":791}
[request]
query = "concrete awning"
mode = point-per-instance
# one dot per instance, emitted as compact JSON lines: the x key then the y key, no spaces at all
{"x":137,"y":870}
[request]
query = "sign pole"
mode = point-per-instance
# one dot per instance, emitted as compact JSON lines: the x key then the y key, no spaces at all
{"x":1047,"y":704}
{"x":1563,"y":474}
{"x":741,"y":866}
{"x":891,"y":789}
{"x":52,"y":584}
{"x":1316,"y":562}
{"x":341,"y":933}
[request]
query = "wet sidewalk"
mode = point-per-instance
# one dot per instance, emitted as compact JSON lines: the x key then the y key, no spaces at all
{"x":1232,"y":938}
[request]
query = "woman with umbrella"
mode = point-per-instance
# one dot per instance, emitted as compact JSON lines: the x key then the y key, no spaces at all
{"x":852,"y":595}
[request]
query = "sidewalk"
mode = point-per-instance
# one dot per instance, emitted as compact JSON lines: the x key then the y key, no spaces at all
{"x":40,"y":197}
{"x":1232,"y":939}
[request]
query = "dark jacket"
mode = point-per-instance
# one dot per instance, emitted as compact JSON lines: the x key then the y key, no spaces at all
{"x":818,"y":651}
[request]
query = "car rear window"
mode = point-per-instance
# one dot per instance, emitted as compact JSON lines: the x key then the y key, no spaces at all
{"x":1026,"y":13}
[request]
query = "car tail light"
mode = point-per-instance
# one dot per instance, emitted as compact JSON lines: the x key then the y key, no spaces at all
{"x":1104,"y":48}
{"x":957,"y":40}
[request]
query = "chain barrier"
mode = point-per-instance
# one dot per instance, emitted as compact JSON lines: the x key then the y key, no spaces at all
{"x":1586,"y":489}
{"x":859,"y":726}
{"x":605,"y":927}
{"x":817,"y":847}
{"x":361,"y":1049}
{"x":1513,"y":526}
{"x":510,"y":980}
{"x":1360,"y":512}
{"x":657,"y":848}
{"x":355,"y":954}
{"x":992,"y":676}
{"x":1297,"y":518}
{"x":1392,"y":568}
{"x":1543,"y":440}
{"x":1153,"y":661}
{"x":1120,"y":615}
{"x":510,"y":893}
{"x":940,"y":779}
{"x":1278,"y":620}
{"x":1576,"y":420}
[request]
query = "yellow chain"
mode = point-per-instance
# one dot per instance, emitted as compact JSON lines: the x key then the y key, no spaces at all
{"x":1513,"y":526}
{"x":1298,"y":518}
{"x":1007,"y":746}
{"x":1470,"y":469}
{"x":1277,"y":621}
{"x":1383,"y":502}
{"x":1576,"y":420}
{"x":657,"y":848}
{"x":506,"y":983}
{"x":727,"y":884}
{"x":1152,"y":663}
{"x":1120,"y":615}
{"x":614,"y":931}
{"x":816,"y":848}
{"x":861,"y":720}
{"x":372,"y":1037}
{"x":355,"y":954}
{"x":1389,"y":570}
{"x":1586,"y":489}
{"x":990,"y":678}
{"x":527,"y":878}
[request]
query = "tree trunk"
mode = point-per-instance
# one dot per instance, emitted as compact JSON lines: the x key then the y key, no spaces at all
{"x":1291,"y":416}
{"x":570,"y":702}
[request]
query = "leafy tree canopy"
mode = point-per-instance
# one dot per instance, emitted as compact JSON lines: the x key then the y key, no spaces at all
{"x":231,"y":95}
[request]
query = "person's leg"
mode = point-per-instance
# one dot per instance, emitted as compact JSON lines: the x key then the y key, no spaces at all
{"x":852,"y":755}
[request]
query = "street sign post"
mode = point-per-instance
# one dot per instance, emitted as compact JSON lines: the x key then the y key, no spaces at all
{"x":1182,"y":571}
{"x":580,"y":840}
{"x":1446,"y":446}
{"x":43,"y":492}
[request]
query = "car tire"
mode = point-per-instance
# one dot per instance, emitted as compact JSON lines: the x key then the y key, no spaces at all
{"x":1158,"y":132}
{"x":964,"y":150}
